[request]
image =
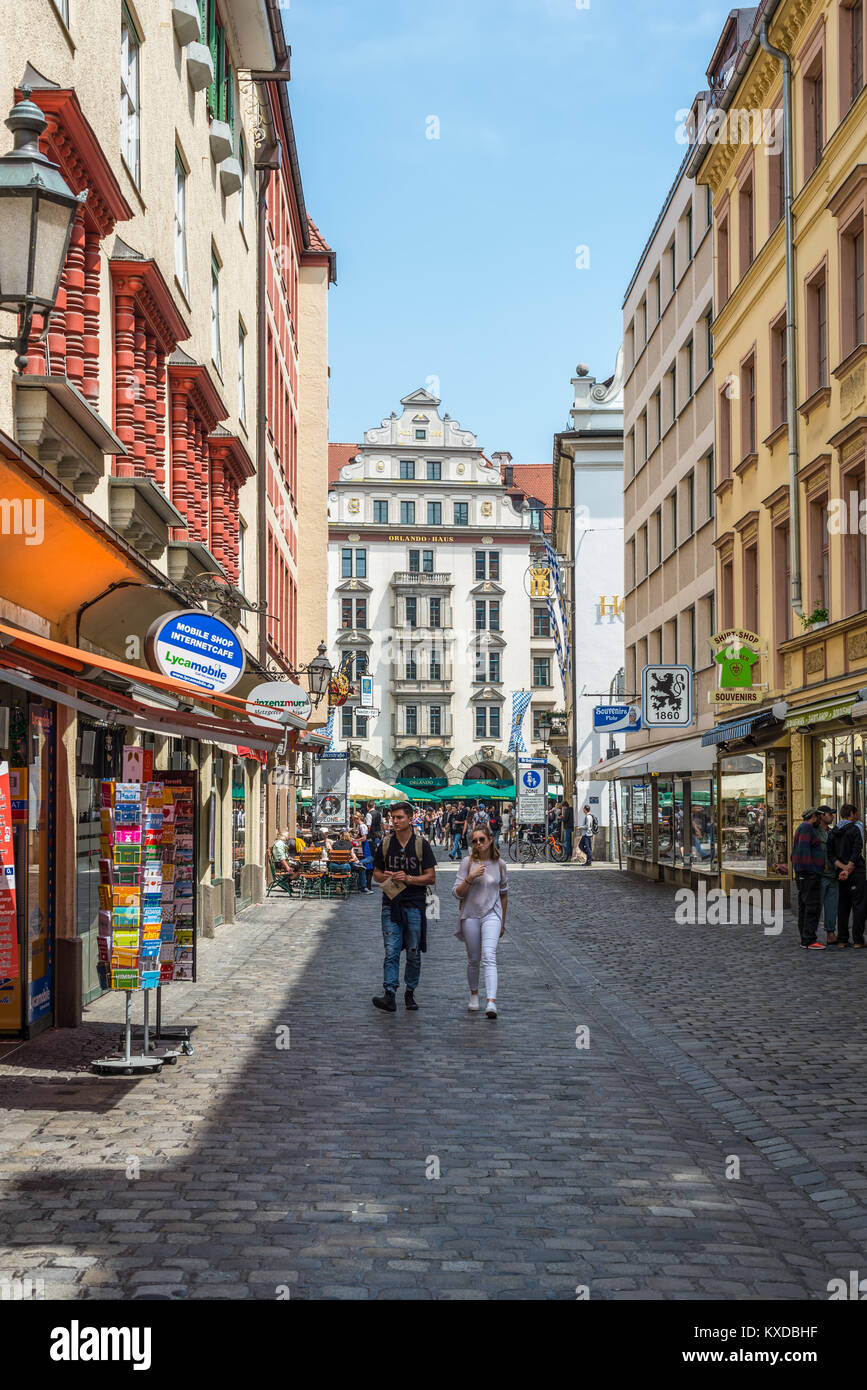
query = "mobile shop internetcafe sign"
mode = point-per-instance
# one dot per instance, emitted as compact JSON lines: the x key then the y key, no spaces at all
{"x":196,"y":649}
{"x":737,"y":653}
{"x":268,"y":701}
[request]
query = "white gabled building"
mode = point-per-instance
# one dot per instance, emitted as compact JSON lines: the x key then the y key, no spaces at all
{"x":428,"y":581}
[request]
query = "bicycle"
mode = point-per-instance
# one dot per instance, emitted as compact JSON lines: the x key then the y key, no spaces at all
{"x":533,"y":847}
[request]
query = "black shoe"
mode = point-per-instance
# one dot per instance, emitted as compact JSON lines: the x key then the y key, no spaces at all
{"x":409,"y":999}
{"x":386,"y":1002}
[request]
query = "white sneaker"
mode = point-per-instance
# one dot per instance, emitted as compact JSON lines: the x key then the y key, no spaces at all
{"x":491,"y":1010}
{"x":473,"y":1005}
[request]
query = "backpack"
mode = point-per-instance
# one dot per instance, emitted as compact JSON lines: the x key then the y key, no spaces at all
{"x":594,"y":822}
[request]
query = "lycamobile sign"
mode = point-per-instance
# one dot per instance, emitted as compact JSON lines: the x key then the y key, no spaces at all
{"x":196,"y":649}
{"x":268,"y":701}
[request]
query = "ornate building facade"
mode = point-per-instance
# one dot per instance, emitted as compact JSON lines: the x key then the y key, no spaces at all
{"x":430,"y":592}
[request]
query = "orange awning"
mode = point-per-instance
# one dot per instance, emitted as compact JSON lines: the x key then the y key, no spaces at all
{"x":55,"y":552}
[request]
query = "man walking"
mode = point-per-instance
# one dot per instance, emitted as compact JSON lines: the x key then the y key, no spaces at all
{"x":373,"y":821}
{"x":404,"y":864}
{"x":808,"y":865}
{"x":589,"y":826}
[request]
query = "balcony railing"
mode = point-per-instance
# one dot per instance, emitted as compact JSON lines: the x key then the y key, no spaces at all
{"x":437,"y":581}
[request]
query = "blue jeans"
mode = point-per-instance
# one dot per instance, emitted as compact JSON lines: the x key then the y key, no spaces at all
{"x":828,"y":895}
{"x":586,"y":844}
{"x":567,"y":843}
{"x":455,"y":852}
{"x":397,"y":939}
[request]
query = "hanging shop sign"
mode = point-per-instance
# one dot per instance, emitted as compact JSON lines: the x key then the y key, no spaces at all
{"x":737,"y":653}
{"x":617,"y":718}
{"x":196,"y":649}
{"x":666,"y":697}
{"x":532,"y":791}
{"x":331,"y":789}
{"x":366,"y":685}
{"x":266,"y":702}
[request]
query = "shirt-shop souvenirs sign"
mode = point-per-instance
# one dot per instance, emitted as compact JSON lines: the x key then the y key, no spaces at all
{"x":197,"y":649}
{"x":737,"y":653}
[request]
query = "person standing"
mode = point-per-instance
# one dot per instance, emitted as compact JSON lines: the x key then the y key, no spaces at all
{"x":495,"y":822}
{"x":846,"y":848}
{"x":373,"y":820}
{"x":808,"y":866}
{"x":830,"y":882}
{"x":405,"y":865}
{"x":568,"y":828}
{"x":589,"y":826}
{"x":457,"y":827}
{"x":483,"y":893}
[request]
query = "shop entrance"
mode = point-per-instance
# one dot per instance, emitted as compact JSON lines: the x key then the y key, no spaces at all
{"x":27,"y":1001}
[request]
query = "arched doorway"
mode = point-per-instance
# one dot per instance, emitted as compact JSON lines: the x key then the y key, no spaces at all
{"x":487,"y":772}
{"x":422,"y":777}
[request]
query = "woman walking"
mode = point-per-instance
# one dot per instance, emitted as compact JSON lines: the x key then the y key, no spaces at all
{"x":483,"y":893}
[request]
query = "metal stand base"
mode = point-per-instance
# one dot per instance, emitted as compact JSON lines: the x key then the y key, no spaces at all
{"x":161,"y":1034}
{"x":149,"y":1060}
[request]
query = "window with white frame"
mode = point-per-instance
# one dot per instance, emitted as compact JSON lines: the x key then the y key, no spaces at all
{"x":216,"y":353}
{"x":242,"y":368}
{"x":181,"y":270}
{"x":487,"y":721}
{"x":129,"y":94}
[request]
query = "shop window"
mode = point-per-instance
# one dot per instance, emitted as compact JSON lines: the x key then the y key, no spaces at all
{"x":743,"y":828}
{"x":665,"y":830}
{"x":702,"y":825}
{"x":636,"y":817}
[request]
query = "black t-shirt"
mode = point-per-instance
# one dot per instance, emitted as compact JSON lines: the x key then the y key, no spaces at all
{"x":458,"y":818}
{"x":406,"y":860}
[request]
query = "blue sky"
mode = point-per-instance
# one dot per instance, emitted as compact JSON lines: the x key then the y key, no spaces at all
{"x":457,"y":255}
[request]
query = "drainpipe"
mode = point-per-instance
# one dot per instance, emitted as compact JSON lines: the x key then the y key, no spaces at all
{"x":792,"y":374}
{"x":261,"y":459}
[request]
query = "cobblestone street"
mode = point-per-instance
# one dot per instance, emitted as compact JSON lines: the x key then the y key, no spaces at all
{"x":251,"y":1170}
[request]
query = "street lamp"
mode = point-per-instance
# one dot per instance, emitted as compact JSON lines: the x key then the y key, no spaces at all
{"x":319,"y":674}
{"x":37,"y":210}
{"x":545,"y":723}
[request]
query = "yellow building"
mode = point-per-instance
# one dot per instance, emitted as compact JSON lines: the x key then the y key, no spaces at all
{"x":790,"y":454}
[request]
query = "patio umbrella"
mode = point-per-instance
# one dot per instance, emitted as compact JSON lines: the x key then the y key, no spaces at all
{"x":364,"y":787}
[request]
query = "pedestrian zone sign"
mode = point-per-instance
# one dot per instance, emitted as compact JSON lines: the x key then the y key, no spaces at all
{"x":666,"y":697}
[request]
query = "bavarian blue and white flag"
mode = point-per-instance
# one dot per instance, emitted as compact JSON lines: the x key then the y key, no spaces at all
{"x":329,"y":728}
{"x":564,"y":651}
{"x":520,"y":702}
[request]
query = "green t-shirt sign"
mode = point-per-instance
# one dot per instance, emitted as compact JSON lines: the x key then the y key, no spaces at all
{"x":737,"y":653}
{"x":736,"y":667}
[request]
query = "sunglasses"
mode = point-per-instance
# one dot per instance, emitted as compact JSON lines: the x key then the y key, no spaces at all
{"x":480,"y":842}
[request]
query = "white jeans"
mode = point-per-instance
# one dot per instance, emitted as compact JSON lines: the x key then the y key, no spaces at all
{"x":481,"y":937}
